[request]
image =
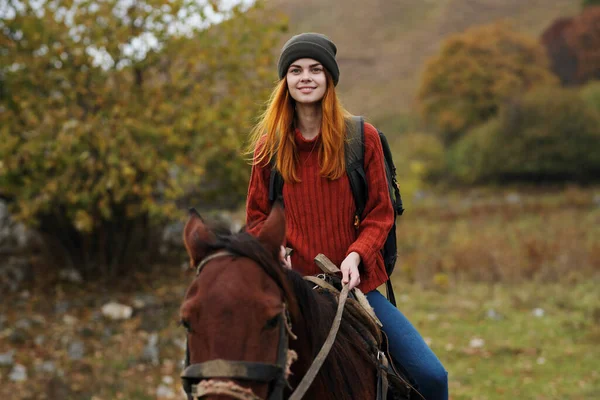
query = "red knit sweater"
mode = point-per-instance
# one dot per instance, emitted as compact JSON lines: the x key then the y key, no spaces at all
{"x":319,"y":212}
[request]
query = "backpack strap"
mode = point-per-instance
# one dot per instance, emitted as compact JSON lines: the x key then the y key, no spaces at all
{"x":390,"y":170}
{"x":355,"y":154}
{"x":275,"y":185}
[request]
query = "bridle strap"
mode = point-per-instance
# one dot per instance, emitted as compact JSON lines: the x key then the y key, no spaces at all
{"x":310,"y":375}
{"x":206,"y":260}
{"x":252,"y":371}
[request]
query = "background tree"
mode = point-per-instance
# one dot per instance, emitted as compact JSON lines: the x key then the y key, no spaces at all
{"x":549,"y":135}
{"x":588,"y":3}
{"x":573,"y":45}
{"x":110,"y":111}
{"x":474,"y":73}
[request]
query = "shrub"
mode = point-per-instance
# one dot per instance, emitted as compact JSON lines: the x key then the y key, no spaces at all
{"x":548,"y":135}
{"x":100,"y":138}
{"x":474,"y":73}
{"x":591,"y":95}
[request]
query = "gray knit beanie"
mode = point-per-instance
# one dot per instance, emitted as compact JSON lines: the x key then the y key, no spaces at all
{"x":309,"y":45}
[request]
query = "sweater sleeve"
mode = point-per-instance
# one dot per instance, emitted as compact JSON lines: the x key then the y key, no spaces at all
{"x":378,"y":216}
{"x":258,"y":206}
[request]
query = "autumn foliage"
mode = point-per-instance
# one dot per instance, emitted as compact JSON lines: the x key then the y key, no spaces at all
{"x":474,"y":73}
{"x":110,"y":112}
{"x":573,"y":45}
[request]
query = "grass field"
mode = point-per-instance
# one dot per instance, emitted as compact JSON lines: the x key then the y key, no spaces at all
{"x":503,"y":285}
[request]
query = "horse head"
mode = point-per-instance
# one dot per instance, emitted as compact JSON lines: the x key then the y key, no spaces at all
{"x":235,"y":311}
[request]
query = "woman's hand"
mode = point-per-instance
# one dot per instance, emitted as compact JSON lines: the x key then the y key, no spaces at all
{"x":349,"y":270}
{"x":286,"y":261}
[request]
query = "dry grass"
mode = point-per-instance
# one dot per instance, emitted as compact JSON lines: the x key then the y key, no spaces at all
{"x":501,"y":236}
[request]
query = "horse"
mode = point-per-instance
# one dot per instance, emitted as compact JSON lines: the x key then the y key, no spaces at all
{"x":254,"y":327}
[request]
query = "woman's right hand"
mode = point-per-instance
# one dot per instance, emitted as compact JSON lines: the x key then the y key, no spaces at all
{"x":286,"y":260}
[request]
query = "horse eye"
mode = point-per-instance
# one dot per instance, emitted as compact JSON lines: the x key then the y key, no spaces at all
{"x":272,"y":323}
{"x":186,"y":325}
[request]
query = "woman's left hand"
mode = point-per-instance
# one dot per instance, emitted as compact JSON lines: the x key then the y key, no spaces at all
{"x":349,"y":268}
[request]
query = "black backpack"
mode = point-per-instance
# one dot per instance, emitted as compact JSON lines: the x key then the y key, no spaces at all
{"x":355,"y":151}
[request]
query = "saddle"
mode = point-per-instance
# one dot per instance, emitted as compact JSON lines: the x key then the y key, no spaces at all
{"x":393,"y":382}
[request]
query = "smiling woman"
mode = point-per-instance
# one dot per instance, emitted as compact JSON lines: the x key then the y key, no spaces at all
{"x":302,"y":135}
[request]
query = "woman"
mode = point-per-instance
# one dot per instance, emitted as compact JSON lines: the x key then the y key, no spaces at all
{"x":302,"y":134}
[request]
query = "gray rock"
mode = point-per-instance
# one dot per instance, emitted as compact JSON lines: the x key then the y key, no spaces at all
{"x":39,"y":340}
{"x":76,"y":350}
{"x":47,"y":367}
{"x":23,"y":323}
{"x":70,"y":275}
{"x":165,"y":392}
{"x":513,"y":198}
{"x":6,"y":359}
{"x":493,"y":314}
{"x":18,"y":373}
{"x":151,"y":351}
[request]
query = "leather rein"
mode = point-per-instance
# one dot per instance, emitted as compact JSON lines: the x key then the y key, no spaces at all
{"x":216,"y":376}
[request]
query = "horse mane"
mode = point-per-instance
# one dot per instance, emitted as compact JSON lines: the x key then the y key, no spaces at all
{"x":343,"y":368}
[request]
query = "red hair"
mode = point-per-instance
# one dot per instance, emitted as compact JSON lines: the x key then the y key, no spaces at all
{"x":273,"y":135}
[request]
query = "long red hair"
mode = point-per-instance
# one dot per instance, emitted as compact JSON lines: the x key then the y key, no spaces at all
{"x":273,"y":135}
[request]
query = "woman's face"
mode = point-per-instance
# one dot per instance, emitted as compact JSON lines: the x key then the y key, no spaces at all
{"x":306,"y":81}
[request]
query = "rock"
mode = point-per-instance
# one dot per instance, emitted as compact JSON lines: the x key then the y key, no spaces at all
{"x":18,"y":373}
{"x":493,"y":314}
{"x":69,"y":320}
{"x":6,"y":359}
{"x":476,"y":343}
{"x":117,"y":311}
{"x":38,"y":320}
{"x":538,"y":312}
{"x":70,"y":275}
{"x":165,"y":392}
{"x":151,"y":351}
{"x":76,"y":350}
{"x":39,"y":340}
{"x":47,"y":367}
{"x":23,"y":323}
{"x":14,"y":271}
{"x":513,"y":198}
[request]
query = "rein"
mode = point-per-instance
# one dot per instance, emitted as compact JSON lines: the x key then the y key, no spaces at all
{"x":254,"y":371}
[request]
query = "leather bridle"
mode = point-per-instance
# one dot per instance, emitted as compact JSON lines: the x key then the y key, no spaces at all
{"x":215,"y":377}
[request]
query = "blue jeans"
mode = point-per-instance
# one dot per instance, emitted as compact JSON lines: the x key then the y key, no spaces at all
{"x":409,"y":349}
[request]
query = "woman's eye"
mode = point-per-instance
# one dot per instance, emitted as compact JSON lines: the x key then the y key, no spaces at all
{"x":317,"y":70}
{"x":295,"y":71}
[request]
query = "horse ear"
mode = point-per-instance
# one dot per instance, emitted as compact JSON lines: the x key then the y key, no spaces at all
{"x":196,"y":237}
{"x":272,"y":234}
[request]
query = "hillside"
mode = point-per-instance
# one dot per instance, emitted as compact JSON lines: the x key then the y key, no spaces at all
{"x":383,"y":44}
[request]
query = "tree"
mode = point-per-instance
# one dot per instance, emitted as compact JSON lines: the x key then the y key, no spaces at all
{"x":474,"y":73}
{"x":590,"y":3}
{"x":110,"y":110}
{"x":573,"y":45}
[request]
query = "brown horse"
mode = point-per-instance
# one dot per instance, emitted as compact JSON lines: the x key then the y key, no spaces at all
{"x":240,"y":311}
